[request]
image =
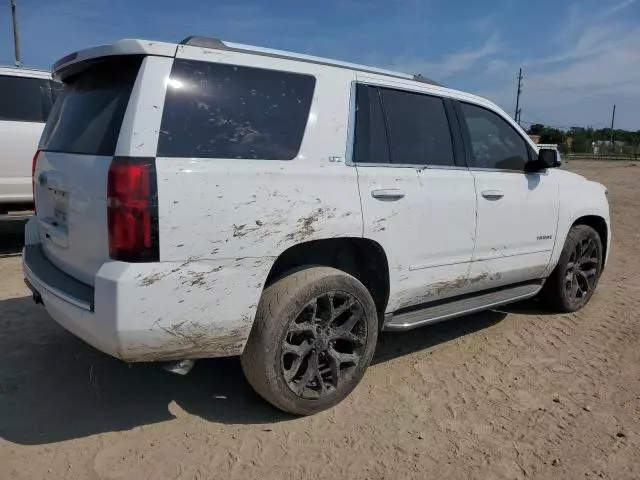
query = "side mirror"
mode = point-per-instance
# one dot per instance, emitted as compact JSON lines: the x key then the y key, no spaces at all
{"x":547,"y":158}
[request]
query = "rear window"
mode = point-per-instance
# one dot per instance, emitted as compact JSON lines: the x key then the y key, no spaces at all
{"x":418,"y":128}
{"x":225,"y":111}
{"x":400,"y":127}
{"x":89,"y":109}
{"x":371,"y":143}
{"x":25,"y":99}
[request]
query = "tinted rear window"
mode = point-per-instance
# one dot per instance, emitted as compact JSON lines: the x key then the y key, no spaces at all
{"x":418,"y":128}
{"x":88,"y":112}
{"x":371,"y":143}
{"x":225,"y":111}
{"x":25,"y":99}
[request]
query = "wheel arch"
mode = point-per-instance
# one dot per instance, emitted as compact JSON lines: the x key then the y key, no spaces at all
{"x":599,"y":224}
{"x":363,"y":258}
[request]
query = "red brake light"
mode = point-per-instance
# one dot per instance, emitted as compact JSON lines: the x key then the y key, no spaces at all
{"x":132,"y":210}
{"x":34,"y":164}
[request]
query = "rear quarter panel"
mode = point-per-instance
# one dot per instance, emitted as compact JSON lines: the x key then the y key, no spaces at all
{"x":223,"y":222}
{"x":229,"y":208}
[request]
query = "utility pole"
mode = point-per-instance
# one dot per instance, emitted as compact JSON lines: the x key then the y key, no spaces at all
{"x":16,"y":34}
{"x":613,"y":119}
{"x":517,"y":117}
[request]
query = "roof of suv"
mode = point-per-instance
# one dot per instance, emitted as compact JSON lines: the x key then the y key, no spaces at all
{"x":69,"y":64}
{"x":133,"y":47}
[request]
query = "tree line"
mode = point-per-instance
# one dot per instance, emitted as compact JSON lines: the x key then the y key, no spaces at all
{"x":582,"y":139}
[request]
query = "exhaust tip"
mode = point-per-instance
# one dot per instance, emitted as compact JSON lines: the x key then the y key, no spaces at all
{"x":179,"y":367}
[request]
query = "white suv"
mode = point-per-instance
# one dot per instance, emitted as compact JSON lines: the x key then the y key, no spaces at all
{"x":26,"y":96}
{"x":211,"y":199}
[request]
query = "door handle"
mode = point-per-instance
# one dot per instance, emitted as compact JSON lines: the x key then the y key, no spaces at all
{"x":388,"y":194}
{"x":493,"y":194}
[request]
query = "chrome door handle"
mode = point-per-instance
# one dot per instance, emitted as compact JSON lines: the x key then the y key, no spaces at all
{"x":492,"y":194}
{"x":388,"y":194}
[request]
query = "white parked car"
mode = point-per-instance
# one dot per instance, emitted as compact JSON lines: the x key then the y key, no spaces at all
{"x":26,"y":98}
{"x":211,"y":199}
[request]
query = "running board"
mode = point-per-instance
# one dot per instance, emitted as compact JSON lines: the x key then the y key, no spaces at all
{"x":459,"y":307}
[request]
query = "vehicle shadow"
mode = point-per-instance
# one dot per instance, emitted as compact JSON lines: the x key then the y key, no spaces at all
{"x":11,"y":237}
{"x":53,"y":387}
{"x":533,"y":306}
{"x":393,"y":345}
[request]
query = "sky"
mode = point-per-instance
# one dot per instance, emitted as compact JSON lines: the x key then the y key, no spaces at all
{"x":579,"y":57}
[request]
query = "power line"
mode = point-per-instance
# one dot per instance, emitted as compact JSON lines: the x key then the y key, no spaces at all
{"x":565,"y":127}
{"x":533,"y":116}
{"x":542,"y":122}
{"x":517,"y":116}
{"x":581,"y":90}
{"x":558,"y":127}
{"x":602,"y":124}
{"x":598,"y":126}
{"x":613,"y":119}
{"x":16,"y":34}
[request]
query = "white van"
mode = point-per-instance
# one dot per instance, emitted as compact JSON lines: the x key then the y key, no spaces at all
{"x":210,"y":199}
{"x":26,"y":98}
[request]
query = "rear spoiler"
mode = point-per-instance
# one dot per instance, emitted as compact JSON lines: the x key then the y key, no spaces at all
{"x":69,"y":64}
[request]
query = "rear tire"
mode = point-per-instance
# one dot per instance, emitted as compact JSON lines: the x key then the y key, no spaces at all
{"x":572,"y":283}
{"x":313,"y":338}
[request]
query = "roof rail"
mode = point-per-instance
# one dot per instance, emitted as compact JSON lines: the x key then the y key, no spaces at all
{"x":204,"y":42}
{"x":28,"y":69}
{"x":207,"y":42}
{"x":419,"y":78}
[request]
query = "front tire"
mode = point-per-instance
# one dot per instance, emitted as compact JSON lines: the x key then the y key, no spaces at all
{"x":573,"y":281}
{"x":313,"y":338}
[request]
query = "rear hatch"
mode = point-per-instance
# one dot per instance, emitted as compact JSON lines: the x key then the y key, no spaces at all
{"x":72,"y":167}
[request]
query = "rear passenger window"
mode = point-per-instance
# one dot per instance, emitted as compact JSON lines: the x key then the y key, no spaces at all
{"x":24,"y":99}
{"x":371,"y":143}
{"x":418,"y":128}
{"x":225,"y":111}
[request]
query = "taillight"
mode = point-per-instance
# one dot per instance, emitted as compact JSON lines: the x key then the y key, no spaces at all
{"x":34,"y":164}
{"x":132,"y":210}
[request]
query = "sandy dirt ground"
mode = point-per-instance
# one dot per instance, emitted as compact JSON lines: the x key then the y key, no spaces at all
{"x":510,"y":394}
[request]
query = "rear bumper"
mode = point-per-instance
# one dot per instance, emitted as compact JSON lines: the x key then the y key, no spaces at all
{"x":69,"y":302}
{"x":156,"y":311}
{"x":48,"y":280}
